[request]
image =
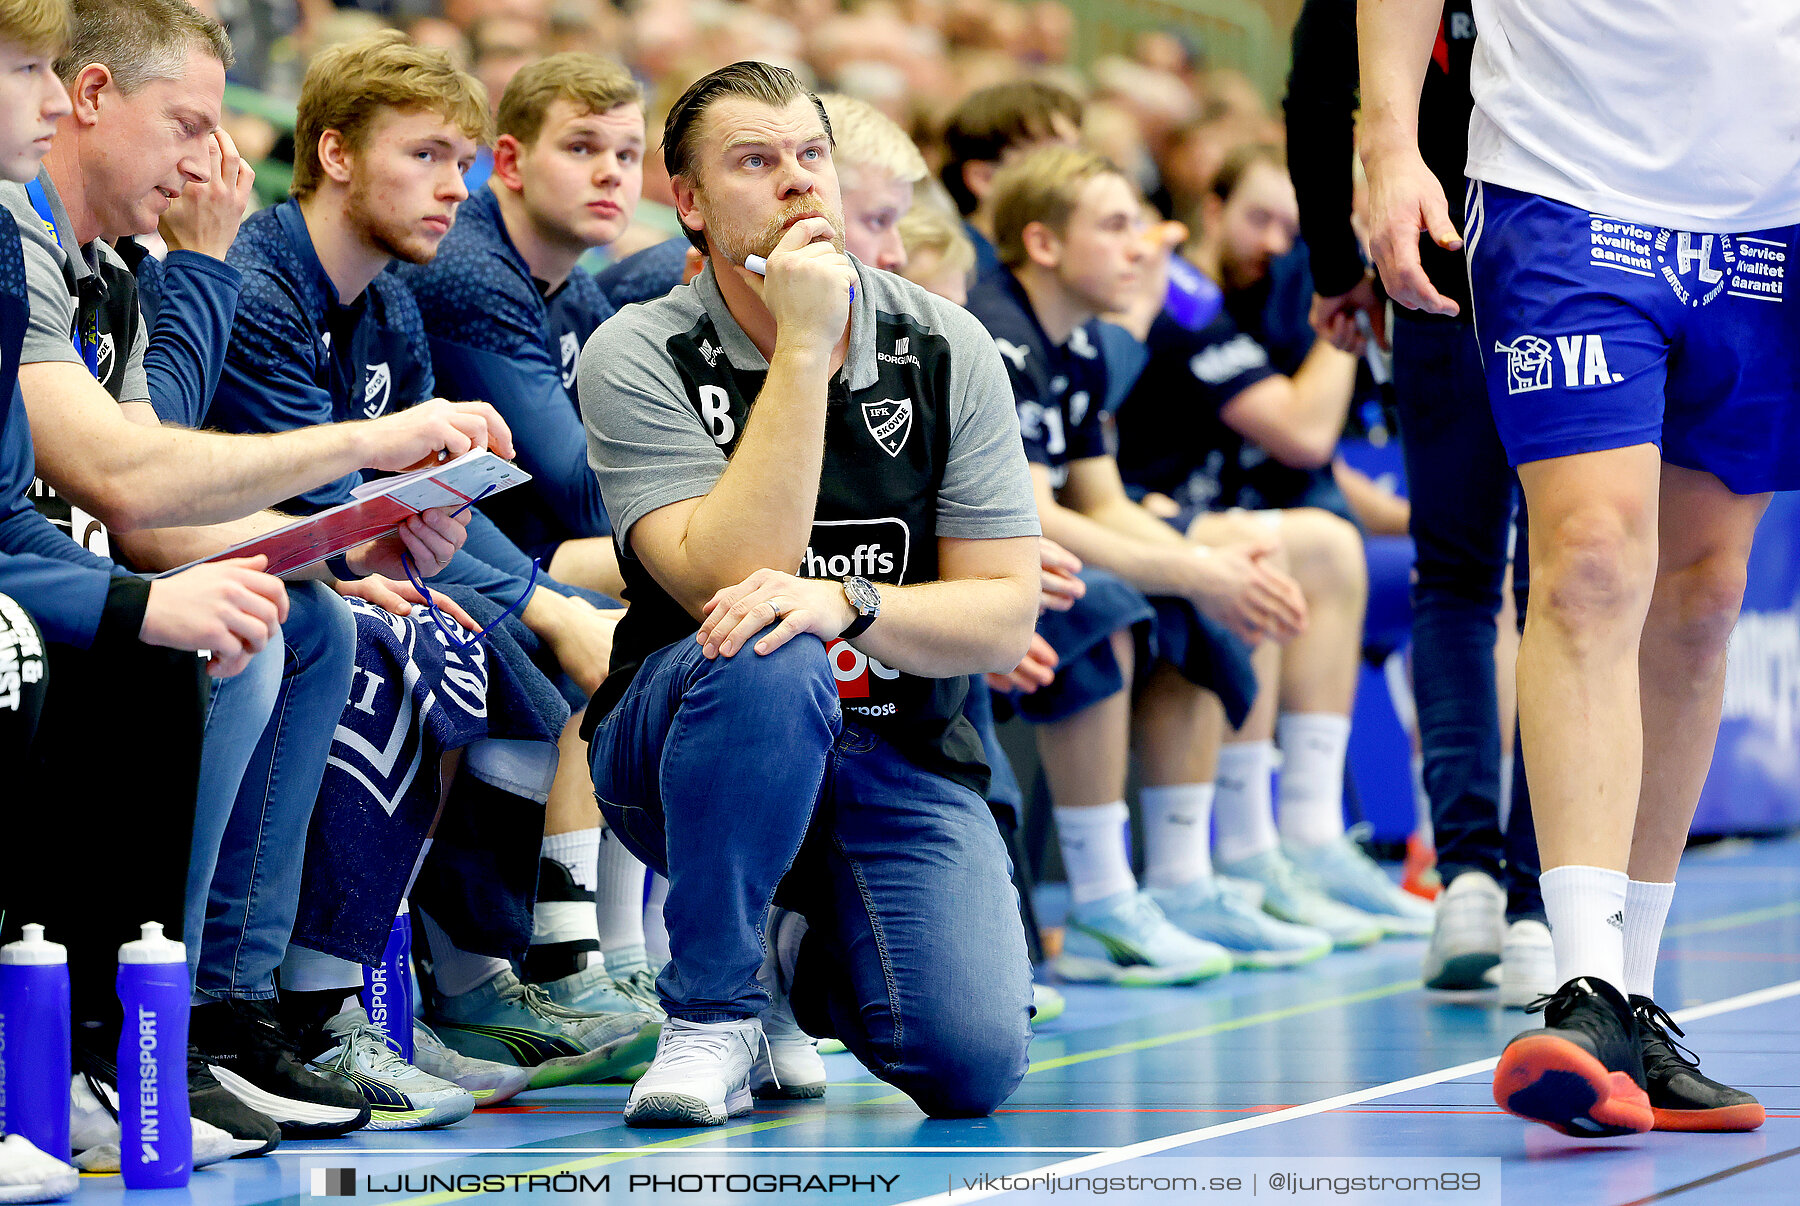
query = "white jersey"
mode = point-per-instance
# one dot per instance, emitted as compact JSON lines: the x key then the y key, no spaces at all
{"x":1676,"y":113}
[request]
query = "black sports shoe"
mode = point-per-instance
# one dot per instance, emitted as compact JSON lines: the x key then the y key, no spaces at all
{"x":1582,"y":1073}
{"x":212,"y":1102}
{"x":256,"y":1060}
{"x":1680,"y":1098}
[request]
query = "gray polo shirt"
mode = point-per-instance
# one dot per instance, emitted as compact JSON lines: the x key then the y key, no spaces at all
{"x":53,"y":280}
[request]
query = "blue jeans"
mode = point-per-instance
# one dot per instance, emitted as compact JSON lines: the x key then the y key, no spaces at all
{"x":739,"y":779}
{"x":255,"y":857}
{"x":1463,"y":495}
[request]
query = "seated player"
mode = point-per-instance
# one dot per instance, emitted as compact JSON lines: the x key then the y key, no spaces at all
{"x":110,"y":655}
{"x":89,"y":381}
{"x":1071,"y":245}
{"x":323,"y":333}
{"x":507,"y":311}
{"x":1240,"y":448}
{"x":799,"y":739}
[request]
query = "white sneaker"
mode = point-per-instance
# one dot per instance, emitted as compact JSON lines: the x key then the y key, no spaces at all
{"x":1466,"y":935}
{"x":789,"y":1067}
{"x":401,"y":1096}
{"x":94,"y":1133}
{"x":700,"y":1076}
{"x":1527,"y":964}
{"x":513,"y":1023}
{"x":28,"y":1175}
{"x":487,"y":1081}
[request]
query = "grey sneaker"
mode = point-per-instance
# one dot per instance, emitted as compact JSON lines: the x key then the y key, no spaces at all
{"x":401,"y":1096}
{"x":513,"y":1023}
{"x":488,"y":1082}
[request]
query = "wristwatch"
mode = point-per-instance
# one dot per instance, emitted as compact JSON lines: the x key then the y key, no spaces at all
{"x":867,"y":600}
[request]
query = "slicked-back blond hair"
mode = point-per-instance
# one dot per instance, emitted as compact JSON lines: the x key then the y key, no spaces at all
{"x":348,"y":86}
{"x":866,"y":138}
{"x":1045,"y":186}
{"x":40,"y":26}
{"x":594,"y":84}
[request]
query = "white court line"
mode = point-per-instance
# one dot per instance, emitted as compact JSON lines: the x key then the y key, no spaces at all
{"x":1151,"y":1147}
{"x":434,"y":1152}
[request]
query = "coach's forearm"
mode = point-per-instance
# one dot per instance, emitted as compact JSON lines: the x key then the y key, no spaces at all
{"x":945,"y":629}
{"x":760,"y":514}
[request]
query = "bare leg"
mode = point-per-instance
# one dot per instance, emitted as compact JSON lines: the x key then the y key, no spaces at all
{"x":1319,"y":667}
{"x":1593,"y":563}
{"x":1084,"y":756}
{"x":571,"y":807}
{"x":1175,"y":730}
{"x":1706,"y":537}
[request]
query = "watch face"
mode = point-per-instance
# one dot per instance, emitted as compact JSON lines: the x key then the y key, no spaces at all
{"x":863,"y":595}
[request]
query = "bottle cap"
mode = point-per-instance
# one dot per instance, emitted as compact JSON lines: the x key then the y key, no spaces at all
{"x":32,"y":950}
{"x":153,"y":947}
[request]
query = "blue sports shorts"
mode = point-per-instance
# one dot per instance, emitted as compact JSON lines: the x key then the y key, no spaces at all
{"x":1599,"y":333}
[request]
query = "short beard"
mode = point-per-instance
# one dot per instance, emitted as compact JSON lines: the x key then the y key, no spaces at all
{"x":392,"y":239}
{"x":727,"y":242}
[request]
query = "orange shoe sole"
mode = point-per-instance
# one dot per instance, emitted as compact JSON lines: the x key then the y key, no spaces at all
{"x":1725,"y":1118}
{"x":1551,"y":1080}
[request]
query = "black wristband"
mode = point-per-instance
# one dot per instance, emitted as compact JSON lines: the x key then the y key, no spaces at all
{"x":339,"y":565}
{"x":122,"y":619}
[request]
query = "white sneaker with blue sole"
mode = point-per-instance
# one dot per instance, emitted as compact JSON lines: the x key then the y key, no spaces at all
{"x":1125,"y":939}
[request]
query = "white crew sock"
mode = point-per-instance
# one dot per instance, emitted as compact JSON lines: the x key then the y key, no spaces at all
{"x":304,"y":970}
{"x":1093,"y":851}
{"x":555,"y":922}
{"x":656,"y":934}
{"x":1177,"y":835}
{"x":1244,"y":806}
{"x":1646,"y":908}
{"x":1586,"y":908}
{"x":619,"y":895}
{"x":1313,"y":745}
{"x":455,"y":970}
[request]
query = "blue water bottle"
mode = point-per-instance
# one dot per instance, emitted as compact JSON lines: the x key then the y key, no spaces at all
{"x":34,"y":1042}
{"x":387,"y":987}
{"x":156,"y":1145}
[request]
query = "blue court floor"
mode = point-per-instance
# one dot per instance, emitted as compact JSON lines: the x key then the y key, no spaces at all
{"x":1345,"y":1068}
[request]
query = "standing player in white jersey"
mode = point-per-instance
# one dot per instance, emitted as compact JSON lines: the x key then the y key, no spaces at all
{"x":1635,"y":185}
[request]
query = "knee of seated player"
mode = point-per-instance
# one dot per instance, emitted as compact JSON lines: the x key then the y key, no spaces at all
{"x":1325,"y":553}
{"x":320,"y":628}
{"x":1216,"y":529}
{"x":1592,"y":568}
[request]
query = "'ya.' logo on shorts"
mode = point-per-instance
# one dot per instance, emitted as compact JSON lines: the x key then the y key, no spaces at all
{"x":889,"y":422}
{"x":571,"y":348}
{"x":376,"y":388}
{"x":1527,"y":364}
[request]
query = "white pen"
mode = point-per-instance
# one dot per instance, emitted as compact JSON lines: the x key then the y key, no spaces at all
{"x":760,"y":266}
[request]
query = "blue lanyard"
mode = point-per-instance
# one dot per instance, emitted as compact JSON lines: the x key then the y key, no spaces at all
{"x":86,"y":336}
